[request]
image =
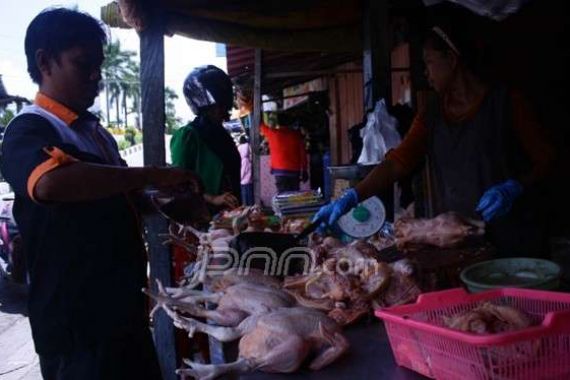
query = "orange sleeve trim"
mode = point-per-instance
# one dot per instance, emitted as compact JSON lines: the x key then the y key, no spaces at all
{"x":57,"y":158}
{"x":58,"y":109}
{"x":414,"y":146}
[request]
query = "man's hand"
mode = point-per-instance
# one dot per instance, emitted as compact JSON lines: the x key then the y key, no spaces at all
{"x":171,"y":177}
{"x":80,"y":181}
{"x":226,"y":200}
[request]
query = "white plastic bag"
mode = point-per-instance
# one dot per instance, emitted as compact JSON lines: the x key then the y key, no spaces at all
{"x":495,"y":9}
{"x":379,"y":135}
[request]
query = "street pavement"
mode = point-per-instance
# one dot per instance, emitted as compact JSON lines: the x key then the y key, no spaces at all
{"x":18,"y":360}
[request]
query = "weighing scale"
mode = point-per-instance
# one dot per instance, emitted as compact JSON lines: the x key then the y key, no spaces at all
{"x":364,"y":220}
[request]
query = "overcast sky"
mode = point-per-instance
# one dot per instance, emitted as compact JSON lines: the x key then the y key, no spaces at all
{"x":182,"y":54}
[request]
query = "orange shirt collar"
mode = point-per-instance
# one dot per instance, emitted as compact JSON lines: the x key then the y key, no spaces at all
{"x":56,"y":108}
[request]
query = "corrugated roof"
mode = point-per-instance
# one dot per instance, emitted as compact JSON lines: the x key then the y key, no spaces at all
{"x":276,"y":65}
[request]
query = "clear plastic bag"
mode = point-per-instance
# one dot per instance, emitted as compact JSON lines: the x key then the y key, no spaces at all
{"x":495,"y":9}
{"x":379,"y":135}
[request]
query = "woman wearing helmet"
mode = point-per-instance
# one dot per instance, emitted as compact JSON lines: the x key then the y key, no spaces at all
{"x":203,"y":145}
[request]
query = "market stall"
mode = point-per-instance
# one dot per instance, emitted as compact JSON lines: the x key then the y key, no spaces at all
{"x":339,"y":32}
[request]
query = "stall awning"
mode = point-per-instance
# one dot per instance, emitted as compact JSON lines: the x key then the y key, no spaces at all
{"x":281,"y":25}
{"x":286,"y":25}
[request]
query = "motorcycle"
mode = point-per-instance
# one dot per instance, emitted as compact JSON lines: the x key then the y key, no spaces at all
{"x":12,"y":258}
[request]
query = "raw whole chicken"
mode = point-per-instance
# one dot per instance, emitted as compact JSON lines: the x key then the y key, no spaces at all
{"x":276,"y":342}
{"x":200,"y":246}
{"x":234,"y":303}
{"x":402,"y":288}
{"x":338,"y":295}
{"x":294,"y":225}
{"x":244,"y":218}
{"x":320,"y":247}
{"x":444,"y":231}
{"x":349,"y":280}
{"x":488,"y":318}
{"x":344,"y":295}
{"x":235,"y":276}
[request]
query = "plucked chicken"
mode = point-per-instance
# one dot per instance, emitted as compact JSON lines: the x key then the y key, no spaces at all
{"x":234,"y":303}
{"x":489,"y":318}
{"x":444,"y":231}
{"x":276,"y":342}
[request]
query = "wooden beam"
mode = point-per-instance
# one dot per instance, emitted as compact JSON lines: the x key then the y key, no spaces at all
{"x":377,"y":70}
{"x":152,"y":98}
{"x":254,"y":129}
{"x":377,"y":52}
{"x":335,"y":127}
{"x":417,"y":76}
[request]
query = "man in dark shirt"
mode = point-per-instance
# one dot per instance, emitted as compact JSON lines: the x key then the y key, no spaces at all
{"x":75,"y":212}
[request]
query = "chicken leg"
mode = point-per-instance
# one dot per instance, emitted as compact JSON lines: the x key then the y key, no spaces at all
{"x":338,"y":346}
{"x":221,"y":333}
{"x":211,"y":371}
{"x":226,"y":317}
{"x":286,"y":357}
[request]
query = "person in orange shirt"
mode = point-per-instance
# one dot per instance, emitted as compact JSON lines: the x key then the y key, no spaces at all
{"x":288,"y":157}
{"x":486,"y":151}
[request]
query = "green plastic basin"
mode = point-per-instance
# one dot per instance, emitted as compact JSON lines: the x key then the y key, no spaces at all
{"x":512,"y":273}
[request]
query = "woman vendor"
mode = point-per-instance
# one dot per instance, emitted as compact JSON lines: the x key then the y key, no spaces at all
{"x":203,"y":145}
{"x":486,"y":152}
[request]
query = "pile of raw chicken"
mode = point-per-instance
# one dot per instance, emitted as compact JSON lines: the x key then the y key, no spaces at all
{"x":488,"y":318}
{"x":282,"y":322}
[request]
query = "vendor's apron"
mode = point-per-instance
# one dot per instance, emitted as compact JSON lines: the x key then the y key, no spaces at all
{"x":465,"y":159}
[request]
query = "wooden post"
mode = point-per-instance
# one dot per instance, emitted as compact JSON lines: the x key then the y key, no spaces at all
{"x":376,"y":55}
{"x":376,"y":67}
{"x":152,"y":91}
{"x":335,"y":128}
{"x":254,"y":128}
{"x":419,"y":82}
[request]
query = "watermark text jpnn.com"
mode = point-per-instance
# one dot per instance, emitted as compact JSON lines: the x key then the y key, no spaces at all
{"x":298,"y":260}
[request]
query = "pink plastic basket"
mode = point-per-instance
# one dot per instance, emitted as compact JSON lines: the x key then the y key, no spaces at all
{"x":421,"y":343}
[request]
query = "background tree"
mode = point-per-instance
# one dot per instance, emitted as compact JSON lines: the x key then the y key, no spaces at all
{"x":6,"y":115}
{"x":133,"y":92}
{"x":130,"y":89}
{"x":172,"y":122}
{"x":118,"y":70}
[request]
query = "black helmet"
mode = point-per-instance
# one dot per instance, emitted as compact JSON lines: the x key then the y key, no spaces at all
{"x":206,"y":86}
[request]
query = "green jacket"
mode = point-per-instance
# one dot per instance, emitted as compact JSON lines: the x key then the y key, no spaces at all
{"x":189,"y":152}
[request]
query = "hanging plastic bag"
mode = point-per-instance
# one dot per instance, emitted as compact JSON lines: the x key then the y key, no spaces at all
{"x":379,"y":135}
{"x":497,"y":10}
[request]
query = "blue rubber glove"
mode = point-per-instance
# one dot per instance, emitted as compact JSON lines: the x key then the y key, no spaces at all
{"x":499,"y":199}
{"x":330,"y":213}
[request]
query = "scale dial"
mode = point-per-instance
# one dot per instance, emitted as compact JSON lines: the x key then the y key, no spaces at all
{"x":365,"y":219}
